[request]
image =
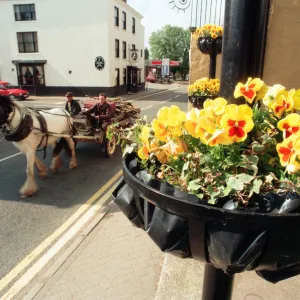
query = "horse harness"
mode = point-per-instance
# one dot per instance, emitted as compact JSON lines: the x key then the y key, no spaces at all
{"x":26,"y":126}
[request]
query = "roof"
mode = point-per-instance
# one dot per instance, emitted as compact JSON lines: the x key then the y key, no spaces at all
{"x":131,"y":8}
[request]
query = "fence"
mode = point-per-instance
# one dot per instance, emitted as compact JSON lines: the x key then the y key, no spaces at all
{"x":206,"y":12}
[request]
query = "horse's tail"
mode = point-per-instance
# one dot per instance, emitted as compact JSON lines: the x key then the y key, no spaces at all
{"x":62,"y":144}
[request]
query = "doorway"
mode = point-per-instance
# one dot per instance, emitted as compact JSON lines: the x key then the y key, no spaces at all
{"x":132,"y":79}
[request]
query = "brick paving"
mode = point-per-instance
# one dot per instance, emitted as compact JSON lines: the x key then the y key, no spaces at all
{"x":119,"y":262}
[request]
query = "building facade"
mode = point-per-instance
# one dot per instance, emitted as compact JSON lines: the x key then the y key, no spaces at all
{"x":50,"y":47}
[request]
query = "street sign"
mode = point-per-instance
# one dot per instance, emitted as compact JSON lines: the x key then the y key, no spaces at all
{"x":165,"y":67}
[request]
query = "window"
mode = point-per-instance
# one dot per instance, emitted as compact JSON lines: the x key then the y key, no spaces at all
{"x":124,"y":76}
{"x":116,"y":16}
{"x":117,"y":48}
{"x":141,"y":53}
{"x":133,"y":46}
{"x":27,"y":42}
{"x":24,"y":12}
{"x":117,"y":79}
{"x":133,"y":25}
{"x":31,"y":75}
{"x":124,"y":49}
{"x":124,"y":19}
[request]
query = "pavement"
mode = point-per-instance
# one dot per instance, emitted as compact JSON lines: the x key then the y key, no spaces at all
{"x":117,"y":261}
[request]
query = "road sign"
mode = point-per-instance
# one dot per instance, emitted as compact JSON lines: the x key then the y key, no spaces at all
{"x":165,"y":67}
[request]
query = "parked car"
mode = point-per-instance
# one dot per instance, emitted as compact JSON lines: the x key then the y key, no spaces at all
{"x":14,"y":93}
{"x":151,"y":78}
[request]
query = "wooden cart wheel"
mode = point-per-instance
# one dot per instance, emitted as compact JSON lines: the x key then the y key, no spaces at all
{"x":110,"y":146}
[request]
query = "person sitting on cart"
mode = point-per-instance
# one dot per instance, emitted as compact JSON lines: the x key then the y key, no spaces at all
{"x":72,"y":106}
{"x":100,"y":113}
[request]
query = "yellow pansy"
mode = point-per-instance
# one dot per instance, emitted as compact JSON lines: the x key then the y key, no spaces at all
{"x":249,"y":89}
{"x":296,"y":98}
{"x":171,"y":116}
{"x":214,"y":107}
{"x":174,"y":148}
{"x":237,"y":121}
{"x":220,"y":137}
{"x":290,"y":125}
{"x":283,"y":104}
{"x":144,"y":151}
{"x":272,"y":93}
{"x":288,"y":150}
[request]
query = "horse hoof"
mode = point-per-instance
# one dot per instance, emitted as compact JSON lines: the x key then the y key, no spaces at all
{"x":73,"y":166}
{"x":24,"y":196}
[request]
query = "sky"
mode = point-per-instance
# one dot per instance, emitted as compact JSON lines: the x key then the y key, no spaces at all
{"x":158,"y":13}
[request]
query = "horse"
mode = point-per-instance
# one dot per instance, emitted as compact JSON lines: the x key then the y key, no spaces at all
{"x":29,"y":130}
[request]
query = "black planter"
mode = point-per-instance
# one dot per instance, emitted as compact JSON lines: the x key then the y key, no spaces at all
{"x":198,"y":101}
{"x":209,"y":45}
{"x":231,"y":241}
{"x":213,"y":47}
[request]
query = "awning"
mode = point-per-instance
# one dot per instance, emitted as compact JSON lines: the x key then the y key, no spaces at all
{"x":31,"y":62}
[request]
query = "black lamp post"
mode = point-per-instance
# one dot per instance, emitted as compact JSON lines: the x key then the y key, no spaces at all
{"x":244,"y":42}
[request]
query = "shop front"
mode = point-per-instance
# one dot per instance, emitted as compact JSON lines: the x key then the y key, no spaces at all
{"x":31,"y":75}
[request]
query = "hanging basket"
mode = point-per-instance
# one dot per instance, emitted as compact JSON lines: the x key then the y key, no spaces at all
{"x":208,"y":45}
{"x":197,"y":101}
{"x":233,"y":241}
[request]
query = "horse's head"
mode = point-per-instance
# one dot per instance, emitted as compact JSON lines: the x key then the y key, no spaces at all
{"x":5,"y":109}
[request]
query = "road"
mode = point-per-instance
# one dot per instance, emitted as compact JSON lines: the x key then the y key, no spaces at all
{"x":26,"y":223}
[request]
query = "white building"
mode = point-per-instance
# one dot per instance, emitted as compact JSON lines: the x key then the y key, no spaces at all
{"x":85,"y":47}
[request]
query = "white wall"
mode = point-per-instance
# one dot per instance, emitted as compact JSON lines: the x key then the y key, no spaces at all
{"x":126,"y":36}
{"x":71,"y":34}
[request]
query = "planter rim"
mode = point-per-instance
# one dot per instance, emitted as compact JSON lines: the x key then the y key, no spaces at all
{"x":190,"y":209}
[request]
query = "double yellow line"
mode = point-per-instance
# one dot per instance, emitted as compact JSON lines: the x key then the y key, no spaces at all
{"x":29,"y":259}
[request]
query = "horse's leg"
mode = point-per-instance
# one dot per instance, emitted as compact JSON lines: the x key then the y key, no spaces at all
{"x":29,"y":187}
{"x":56,"y":161}
{"x":41,"y":168}
{"x":73,"y":162}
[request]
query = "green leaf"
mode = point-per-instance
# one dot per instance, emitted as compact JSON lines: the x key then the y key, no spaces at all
{"x":245,"y":178}
{"x":193,"y":185}
{"x":255,"y":187}
{"x":213,"y":195}
{"x":237,"y":182}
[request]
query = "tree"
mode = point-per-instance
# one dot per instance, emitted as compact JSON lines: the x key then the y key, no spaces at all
{"x":146,"y":53}
{"x":172,"y":42}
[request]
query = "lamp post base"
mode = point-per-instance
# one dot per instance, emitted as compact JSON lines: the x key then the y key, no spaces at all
{"x":216,"y":284}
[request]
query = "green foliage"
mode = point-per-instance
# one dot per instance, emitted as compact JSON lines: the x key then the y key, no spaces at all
{"x":172,"y":42}
{"x":147,"y":54}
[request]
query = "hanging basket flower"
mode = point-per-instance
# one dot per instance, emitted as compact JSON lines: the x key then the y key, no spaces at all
{"x":209,"y":39}
{"x":202,"y":90}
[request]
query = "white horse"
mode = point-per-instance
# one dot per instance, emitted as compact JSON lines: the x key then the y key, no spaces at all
{"x":22,"y":126}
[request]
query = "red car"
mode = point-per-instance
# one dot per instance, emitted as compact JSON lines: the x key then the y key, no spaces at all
{"x":151,"y":78}
{"x":14,"y":93}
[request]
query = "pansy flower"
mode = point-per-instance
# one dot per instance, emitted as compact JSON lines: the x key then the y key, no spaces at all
{"x":288,"y":150}
{"x":168,"y":122}
{"x":290,"y":125}
{"x":220,"y":137}
{"x":174,"y":148}
{"x":283,"y":104}
{"x":237,"y":121}
{"x":249,"y":89}
{"x":144,"y":151}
